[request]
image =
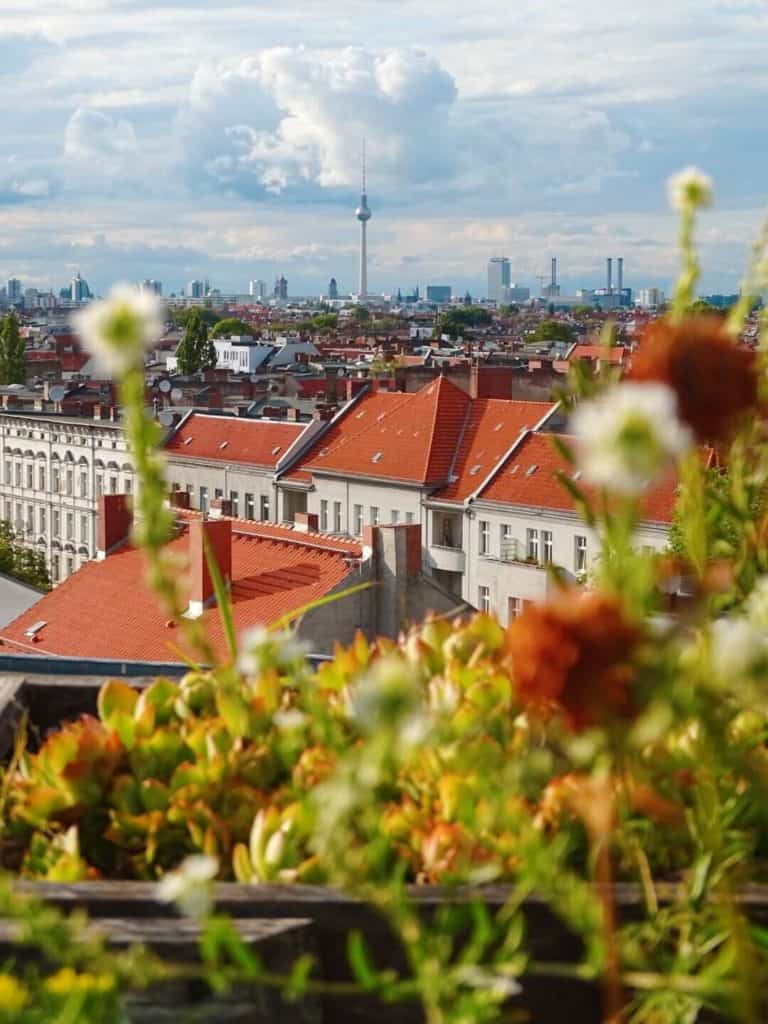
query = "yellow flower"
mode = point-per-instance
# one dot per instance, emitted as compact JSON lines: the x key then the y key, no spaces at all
{"x":66,"y":981}
{"x":13,"y":995}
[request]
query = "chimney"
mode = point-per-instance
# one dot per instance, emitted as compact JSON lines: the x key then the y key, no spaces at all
{"x":609,"y":275}
{"x":620,"y":274}
{"x":304,"y":522}
{"x":395,"y":552}
{"x":208,"y":538}
{"x":178,"y":499}
{"x":115,"y":520}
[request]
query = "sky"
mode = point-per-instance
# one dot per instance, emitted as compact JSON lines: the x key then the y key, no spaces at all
{"x":179,"y":140}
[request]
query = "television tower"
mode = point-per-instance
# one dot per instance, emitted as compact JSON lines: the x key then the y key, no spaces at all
{"x":363,"y":214}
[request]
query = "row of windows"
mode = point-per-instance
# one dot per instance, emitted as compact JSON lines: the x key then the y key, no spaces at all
{"x":23,"y":519}
{"x":64,"y":482}
{"x":539,"y":545}
{"x":358,"y":513}
{"x":68,"y":439}
{"x":515,"y":605}
{"x":249,"y":508}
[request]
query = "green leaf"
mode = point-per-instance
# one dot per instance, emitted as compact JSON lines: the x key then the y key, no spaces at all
{"x":116,"y":696}
{"x":357,"y":954}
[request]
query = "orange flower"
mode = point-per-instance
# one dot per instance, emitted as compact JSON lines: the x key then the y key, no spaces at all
{"x":714,"y":380}
{"x":574,"y":650}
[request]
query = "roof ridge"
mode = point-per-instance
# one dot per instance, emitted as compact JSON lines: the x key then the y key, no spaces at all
{"x":440,"y":385}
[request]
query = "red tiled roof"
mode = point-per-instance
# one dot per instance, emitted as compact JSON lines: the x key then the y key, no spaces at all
{"x":233,"y":439}
{"x":614,"y":354}
{"x":517,"y":484}
{"x":394,"y":436}
{"x":288,"y":534}
{"x":106,"y":611}
{"x":493,"y":426}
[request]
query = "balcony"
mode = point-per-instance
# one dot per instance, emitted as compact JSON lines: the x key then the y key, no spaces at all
{"x":449,"y":559}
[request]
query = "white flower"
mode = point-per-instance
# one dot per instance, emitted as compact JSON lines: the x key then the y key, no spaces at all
{"x":499,"y":985}
{"x":628,"y":435}
{"x":118,"y":330}
{"x":261,"y":649}
{"x":289,"y":719}
{"x":689,"y":189}
{"x":190,"y":886}
{"x":736,"y":645}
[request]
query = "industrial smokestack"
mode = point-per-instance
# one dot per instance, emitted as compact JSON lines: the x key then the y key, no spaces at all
{"x":620,"y":274}
{"x":554,"y":272}
{"x":609,"y":274}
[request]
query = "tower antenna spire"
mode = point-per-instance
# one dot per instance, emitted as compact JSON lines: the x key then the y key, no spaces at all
{"x":363,"y":215}
{"x":363,"y":164}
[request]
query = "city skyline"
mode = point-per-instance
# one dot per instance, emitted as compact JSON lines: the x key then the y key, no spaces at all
{"x":527,"y":132}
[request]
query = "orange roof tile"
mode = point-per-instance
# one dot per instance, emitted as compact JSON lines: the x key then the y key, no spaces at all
{"x":233,"y":439}
{"x":105,"y":610}
{"x":492,"y":427}
{"x":518,"y":483}
{"x":614,"y":354}
{"x":393,"y":436}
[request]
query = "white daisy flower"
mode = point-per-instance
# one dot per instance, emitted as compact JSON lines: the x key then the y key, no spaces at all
{"x":690,"y":189}
{"x":261,"y":649}
{"x":190,"y":886}
{"x":628,"y":435}
{"x":118,"y":331}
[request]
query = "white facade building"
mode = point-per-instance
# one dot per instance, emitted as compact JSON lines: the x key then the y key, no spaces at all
{"x":53,"y":469}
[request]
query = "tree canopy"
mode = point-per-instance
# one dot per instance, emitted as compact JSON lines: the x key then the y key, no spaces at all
{"x":22,"y":563}
{"x":196,"y":350}
{"x":553,"y":330}
{"x":454,"y":322}
{"x":232,"y":325}
{"x":181,"y":316}
{"x":13,"y":368}
{"x":361,"y":313}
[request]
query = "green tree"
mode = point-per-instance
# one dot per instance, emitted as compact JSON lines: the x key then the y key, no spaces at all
{"x":232,"y":325}
{"x":196,"y":350}
{"x":13,"y":368}
{"x":361,"y":313}
{"x":553,"y":330}
{"x":455,"y":322}
{"x":325,"y":322}
{"x":182,"y":316}
{"x":20,"y":562}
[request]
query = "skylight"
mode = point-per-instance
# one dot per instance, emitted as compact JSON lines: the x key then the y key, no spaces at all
{"x":514,"y":469}
{"x":475,"y":469}
{"x":223,"y":444}
{"x":276,"y":449}
{"x":576,"y":475}
{"x":377,"y":457}
{"x":499,"y":426}
{"x":35,"y":629}
{"x":187,"y":440}
{"x":531,"y":470}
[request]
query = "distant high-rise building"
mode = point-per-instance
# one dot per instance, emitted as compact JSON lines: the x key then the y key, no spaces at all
{"x":551,"y":290}
{"x":195,"y":289}
{"x":258,"y":290}
{"x":515,"y":293}
{"x":333,"y":289}
{"x":281,"y":288}
{"x":13,"y":291}
{"x":78,"y":289}
{"x":152,"y":286}
{"x":498,"y":277}
{"x":439,"y":293}
{"x":650,"y":298}
{"x":363,"y":214}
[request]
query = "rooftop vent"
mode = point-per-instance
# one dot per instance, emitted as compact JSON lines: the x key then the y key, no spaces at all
{"x":377,"y":457}
{"x":276,"y":449}
{"x":576,"y":475}
{"x":531,"y":470}
{"x":475,"y":469}
{"x":499,"y":426}
{"x":187,"y":440}
{"x":514,"y":469}
{"x":35,"y":629}
{"x":360,"y":414}
{"x":222,"y":445}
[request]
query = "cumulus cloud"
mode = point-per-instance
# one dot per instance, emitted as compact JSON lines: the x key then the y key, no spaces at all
{"x":91,"y":135}
{"x":293,"y":119}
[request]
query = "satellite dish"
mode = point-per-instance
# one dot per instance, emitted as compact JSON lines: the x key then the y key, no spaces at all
{"x":57,"y":393}
{"x":166,"y":419}
{"x":177,"y":395}
{"x":165,"y":386}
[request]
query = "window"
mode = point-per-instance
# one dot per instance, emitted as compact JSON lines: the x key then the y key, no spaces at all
{"x":55,"y":480}
{"x":70,"y":526}
{"x":484,"y":599}
{"x":323,"y":515}
{"x":55,"y":569}
{"x":374,"y":520}
{"x":128,"y":485}
{"x":113,"y":485}
{"x":250,"y":508}
{"x":580,"y":554}
{"x":56,"y":523}
{"x":218,"y":493}
{"x":514,"y":607}
{"x":409,"y":517}
{"x":18,"y":474}
{"x":30,"y":475}
{"x":30,"y":518}
{"x":357,"y":520}
{"x":485,"y":536}
{"x":83,"y":484}
{"x":203,"y":499}
{"x":264,"y":508}
{"x":234,"y":501}
{"x":18,"y":516}
{"x":395,"y":517}
{"x":532,"y":545}
{"x":41,"y":520}
{"x":83,"y":529}
{"x":337,"y":517}
{"x":99,"y":484}
{"x":69,"y":482}
{"x":547,"y":547}
{"x":70,"y":565}
{"x":8,"y":472}
{"x":41,"y":478}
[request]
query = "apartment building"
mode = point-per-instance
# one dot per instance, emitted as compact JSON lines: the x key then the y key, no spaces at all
{"x":53,"y":470}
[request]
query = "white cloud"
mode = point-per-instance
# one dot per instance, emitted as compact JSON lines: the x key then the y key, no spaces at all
{"x":91,"y":135}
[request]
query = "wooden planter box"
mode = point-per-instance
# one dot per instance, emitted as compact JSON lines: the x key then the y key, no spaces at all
{"x":282,"y":921}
